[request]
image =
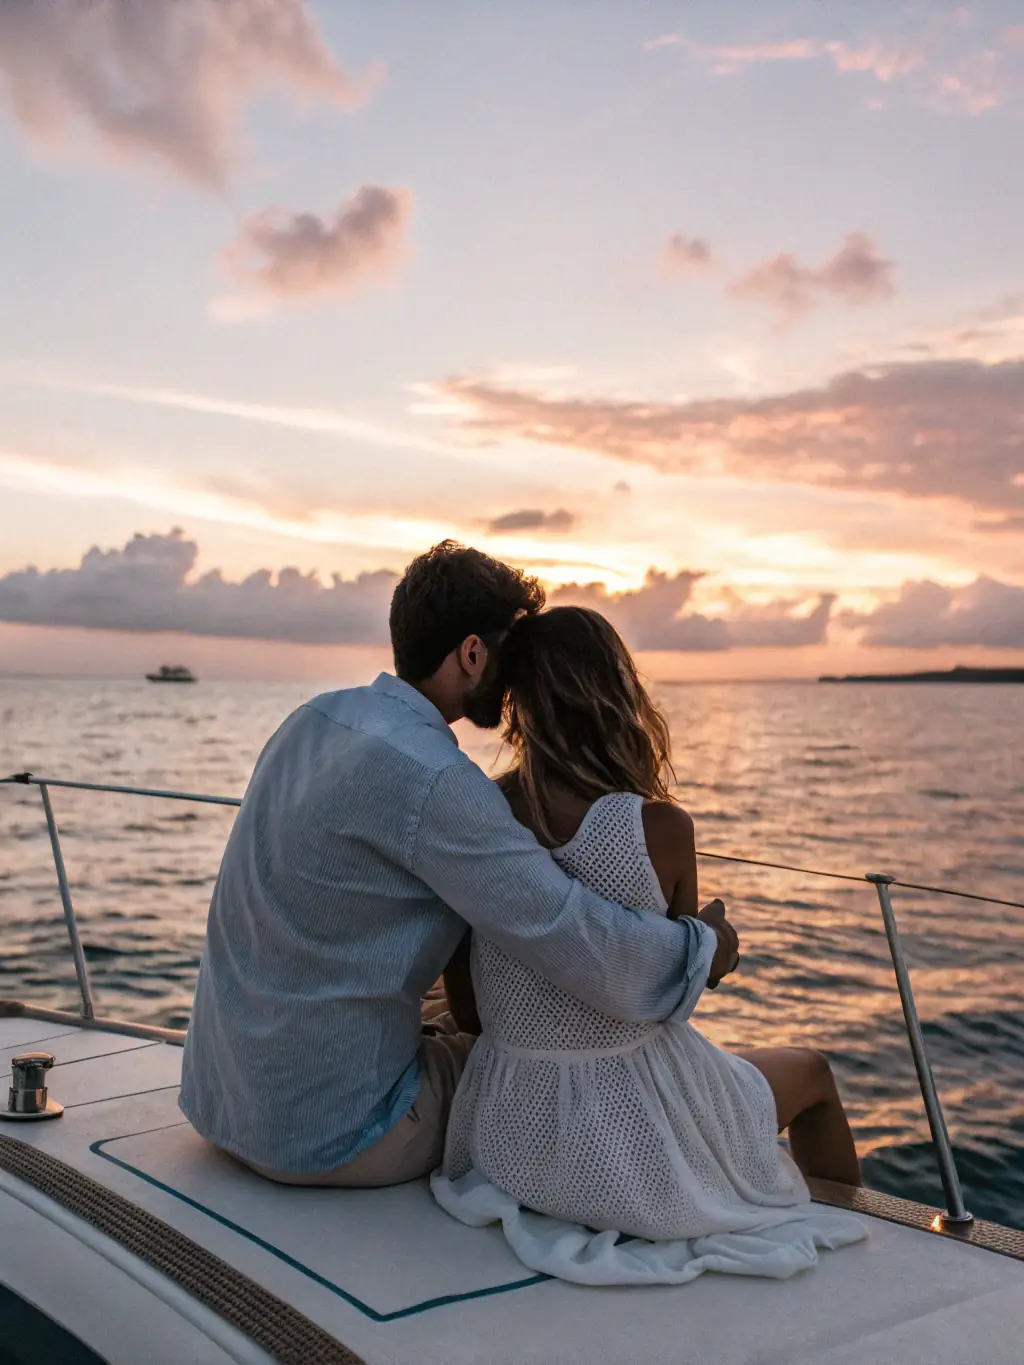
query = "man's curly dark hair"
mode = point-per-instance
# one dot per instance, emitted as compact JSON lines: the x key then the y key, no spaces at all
{"x":449,"y":593}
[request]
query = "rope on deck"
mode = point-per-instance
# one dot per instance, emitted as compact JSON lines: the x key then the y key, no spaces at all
{"x":275,"y":1326}
{"x":910,"y":1214}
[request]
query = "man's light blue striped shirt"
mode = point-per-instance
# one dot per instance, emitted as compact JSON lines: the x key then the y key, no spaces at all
{"x":365,"y":843}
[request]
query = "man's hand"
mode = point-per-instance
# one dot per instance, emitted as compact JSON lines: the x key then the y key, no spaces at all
{"x":727,"y":954}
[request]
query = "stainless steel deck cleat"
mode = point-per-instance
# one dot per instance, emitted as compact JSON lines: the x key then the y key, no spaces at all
{"x":28,"y":1097}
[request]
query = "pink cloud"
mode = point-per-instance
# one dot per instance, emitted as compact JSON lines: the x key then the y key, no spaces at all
{"x":928,"y":429}
{"x":882,"y":60}
{"x":973,"y":85}
{"x":150,"y":585}
{"x":664,"y":40}
{"x":161,"y":80}
{"x":886,"y":62}
{"x":686,"y":255}
{"x":856,"y":274}
{"x":653,"y":617}
{"x":925,"y":615}
{"x":933,"y":65}
{"x":289,"y":255}
{"x":725,"y":59}
{"x":782,"y":623}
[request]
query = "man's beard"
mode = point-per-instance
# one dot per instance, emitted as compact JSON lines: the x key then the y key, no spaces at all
{"x":485,"y":706}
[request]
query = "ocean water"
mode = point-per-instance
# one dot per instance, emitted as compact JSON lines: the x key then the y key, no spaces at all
{"x":924,"y":782}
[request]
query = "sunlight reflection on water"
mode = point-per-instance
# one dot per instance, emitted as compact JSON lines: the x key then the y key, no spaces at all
{"x":926,"y":783}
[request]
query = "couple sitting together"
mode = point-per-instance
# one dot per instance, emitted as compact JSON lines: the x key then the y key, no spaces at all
{"x":563,"y":1092}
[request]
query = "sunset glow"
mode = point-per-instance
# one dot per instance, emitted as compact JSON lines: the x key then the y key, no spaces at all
{"x":713,"y":321}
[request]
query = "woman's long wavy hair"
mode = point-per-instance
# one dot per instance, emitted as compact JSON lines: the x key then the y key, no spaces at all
{"x":577,"y":715}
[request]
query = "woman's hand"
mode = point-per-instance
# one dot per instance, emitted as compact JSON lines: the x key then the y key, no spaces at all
{"x":727,"y":954}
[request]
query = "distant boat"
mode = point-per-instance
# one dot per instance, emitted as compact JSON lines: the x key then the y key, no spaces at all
{"x":172,"y":673}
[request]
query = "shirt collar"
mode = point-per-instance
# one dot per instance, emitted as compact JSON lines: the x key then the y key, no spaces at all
{"x":391,"y":686}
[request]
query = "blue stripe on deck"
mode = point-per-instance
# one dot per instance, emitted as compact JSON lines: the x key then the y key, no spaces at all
{"x":365,"y":1308}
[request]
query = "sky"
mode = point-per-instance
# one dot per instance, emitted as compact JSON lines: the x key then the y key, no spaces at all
{"x":711,"y":314}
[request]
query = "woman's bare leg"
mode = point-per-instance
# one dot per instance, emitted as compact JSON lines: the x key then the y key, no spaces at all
{"x":808,"y":1104}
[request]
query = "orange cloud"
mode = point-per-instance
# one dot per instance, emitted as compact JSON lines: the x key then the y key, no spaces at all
{"x":298,"y":255}
{"x":161,"y":80}
{"x":856,"y":274}
{"x":931,"y":429}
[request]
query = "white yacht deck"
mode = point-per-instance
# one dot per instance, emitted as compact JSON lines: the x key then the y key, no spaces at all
{"x":388,"y":1274}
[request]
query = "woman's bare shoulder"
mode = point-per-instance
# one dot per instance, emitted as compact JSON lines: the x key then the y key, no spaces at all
{"x":666,"y":825}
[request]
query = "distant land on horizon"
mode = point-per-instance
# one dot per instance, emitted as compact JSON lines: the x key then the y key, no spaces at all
{"x":960,"y":674}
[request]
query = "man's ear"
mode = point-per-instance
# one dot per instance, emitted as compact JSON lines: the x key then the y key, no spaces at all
{"x":473,"y":655}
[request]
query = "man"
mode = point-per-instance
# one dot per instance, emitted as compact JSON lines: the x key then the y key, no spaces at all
{"x":365,"y":844}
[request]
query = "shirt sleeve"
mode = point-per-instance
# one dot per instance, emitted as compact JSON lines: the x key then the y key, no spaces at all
{"x":473,"y":853}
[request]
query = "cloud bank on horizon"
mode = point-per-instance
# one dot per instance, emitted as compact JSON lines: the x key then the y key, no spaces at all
{"x":150,"y":585}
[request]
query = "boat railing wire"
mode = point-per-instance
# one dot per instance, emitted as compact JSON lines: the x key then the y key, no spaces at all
{"x":29,"y":779}
{"x":882,"y":883}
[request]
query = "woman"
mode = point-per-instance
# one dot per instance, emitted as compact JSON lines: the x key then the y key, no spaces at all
{"x":642,"y":1129}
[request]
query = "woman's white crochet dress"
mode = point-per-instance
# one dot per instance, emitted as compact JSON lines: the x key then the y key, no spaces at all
{"x":644,"y":1129}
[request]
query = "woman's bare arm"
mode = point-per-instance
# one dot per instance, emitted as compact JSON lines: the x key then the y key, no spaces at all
{"x":668,"y":831}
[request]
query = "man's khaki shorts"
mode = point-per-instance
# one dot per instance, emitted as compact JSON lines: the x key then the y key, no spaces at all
{"x":415,"y":1145}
